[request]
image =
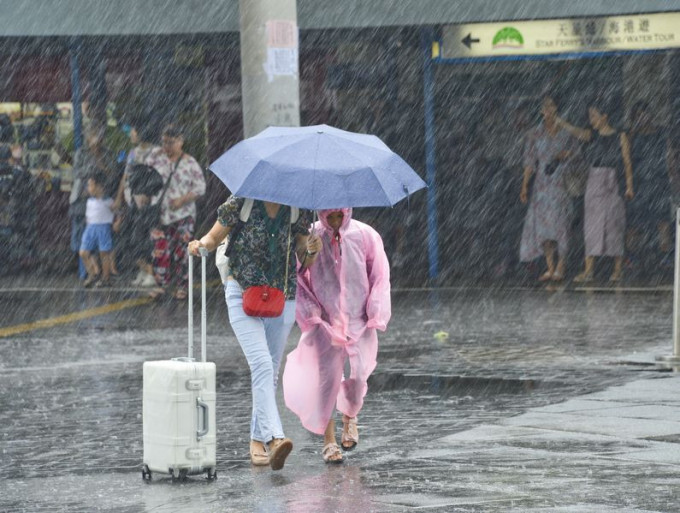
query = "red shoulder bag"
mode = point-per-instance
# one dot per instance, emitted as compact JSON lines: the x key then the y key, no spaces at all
{"x":263,"y":301}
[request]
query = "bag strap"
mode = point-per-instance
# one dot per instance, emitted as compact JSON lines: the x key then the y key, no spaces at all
{"x":167,"y":184}
{"x":285,"y":280}
{"x":243,"y":217}
{"x":245,"y":210}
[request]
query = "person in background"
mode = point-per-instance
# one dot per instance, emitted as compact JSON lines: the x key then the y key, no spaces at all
{"x":649,"y":228}
{"x":610,"y":180}
{"x":546,"y":225}
{"x":135,"y":228}
{"x":24,"y":194}
{"x":343,"y":298}
{"x":113,"y":136}
{"x":98,"y":233}
{"x":186,"y":184}
{"x":91,"y":157}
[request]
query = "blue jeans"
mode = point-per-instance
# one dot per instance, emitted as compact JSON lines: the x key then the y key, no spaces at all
{"x":262,"y":341}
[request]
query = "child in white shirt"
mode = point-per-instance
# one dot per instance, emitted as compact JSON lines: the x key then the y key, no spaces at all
{"x":98,"y":232}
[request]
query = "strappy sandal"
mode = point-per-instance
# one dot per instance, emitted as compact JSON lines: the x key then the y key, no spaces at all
{"x":350,"y":433}
{"x":330,"y":453}
{"x":258,"y":454}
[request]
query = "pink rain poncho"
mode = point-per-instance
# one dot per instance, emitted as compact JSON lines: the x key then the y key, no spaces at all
{"x":341,"y":300}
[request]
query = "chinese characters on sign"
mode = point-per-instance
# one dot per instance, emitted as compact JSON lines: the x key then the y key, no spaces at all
{"x":583,"y":35}
{"x":604,"y":32}
{"x":282,"y":49}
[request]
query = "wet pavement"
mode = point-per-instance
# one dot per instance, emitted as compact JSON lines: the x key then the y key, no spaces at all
{"x":505,"y":400}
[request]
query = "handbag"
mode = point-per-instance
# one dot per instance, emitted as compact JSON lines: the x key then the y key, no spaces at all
{"x":264,"y":300}
{"x":152,"y":213}
{"x":551,"y":167}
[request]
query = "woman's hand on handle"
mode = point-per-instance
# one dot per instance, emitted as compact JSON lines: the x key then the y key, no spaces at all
{"x":210,"y":240}
{"x":194,"y":246}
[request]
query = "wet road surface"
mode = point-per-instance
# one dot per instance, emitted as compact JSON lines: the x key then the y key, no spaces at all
{"x":70,"y":405}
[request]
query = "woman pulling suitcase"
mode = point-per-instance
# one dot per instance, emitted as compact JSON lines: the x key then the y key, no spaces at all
{"x":262,"y":273}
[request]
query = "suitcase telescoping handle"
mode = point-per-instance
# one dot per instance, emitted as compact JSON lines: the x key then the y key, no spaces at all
{"x":204,"y":254}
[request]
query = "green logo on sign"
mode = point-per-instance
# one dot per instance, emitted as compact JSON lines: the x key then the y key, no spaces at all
{"x":508,"y":37}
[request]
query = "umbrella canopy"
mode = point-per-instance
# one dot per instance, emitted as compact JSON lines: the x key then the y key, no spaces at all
{"x":316,"y":167}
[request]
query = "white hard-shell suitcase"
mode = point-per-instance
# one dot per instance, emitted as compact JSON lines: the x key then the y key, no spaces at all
{"x":179,"y":407}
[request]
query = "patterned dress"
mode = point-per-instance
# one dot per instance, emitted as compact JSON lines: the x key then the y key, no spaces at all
{"x":549,"y":211}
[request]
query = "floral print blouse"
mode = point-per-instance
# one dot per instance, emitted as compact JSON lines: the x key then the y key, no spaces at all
{"x":258,"y":255}
{"x":187,"y":178}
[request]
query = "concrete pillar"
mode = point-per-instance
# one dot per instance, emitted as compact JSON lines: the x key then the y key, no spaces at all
{"x":269,"y":64}
{"x":76,"y":93}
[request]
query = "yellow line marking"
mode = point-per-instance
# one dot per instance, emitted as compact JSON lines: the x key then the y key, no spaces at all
{"x":76,"y":316}
{"x":209,"y":284}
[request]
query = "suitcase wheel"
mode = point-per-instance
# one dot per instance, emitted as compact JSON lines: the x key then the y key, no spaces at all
{"x":146,"y":473}
{"x":212,"y":474}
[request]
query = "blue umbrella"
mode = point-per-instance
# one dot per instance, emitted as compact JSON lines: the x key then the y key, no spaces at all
{"x":316,"y":167}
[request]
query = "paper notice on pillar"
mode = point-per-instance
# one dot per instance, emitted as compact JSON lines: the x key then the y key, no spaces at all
{"x":282,"y":49}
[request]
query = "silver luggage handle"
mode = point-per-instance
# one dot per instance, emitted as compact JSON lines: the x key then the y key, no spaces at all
{"x":205,"y":409}
{"x":204,"y":254}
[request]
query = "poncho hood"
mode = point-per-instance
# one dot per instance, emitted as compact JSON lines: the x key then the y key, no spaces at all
{"x":323,"y":218}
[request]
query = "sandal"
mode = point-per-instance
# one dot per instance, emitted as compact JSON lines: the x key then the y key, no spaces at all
{"x":331,"y":453}
{"x":350,"y":433}
{"x":258,"y":454}
{"x":546,"y":276}
{"x":583,"y":277}
{"x":90,"y":281}
{"x":157,"y":293}
{"x":278,"y":450}
{"x":180,"y":294}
